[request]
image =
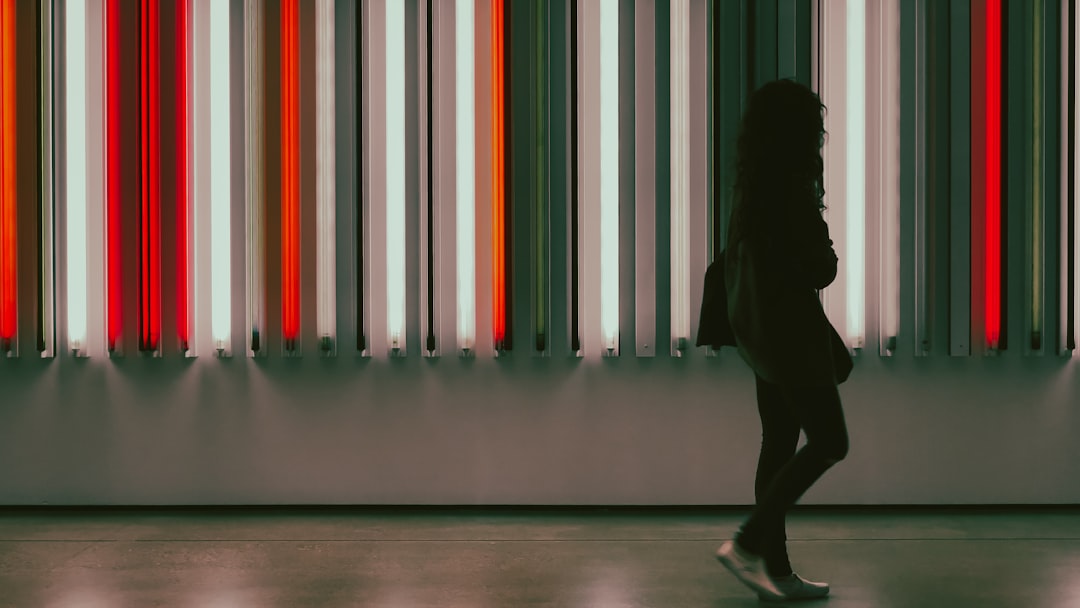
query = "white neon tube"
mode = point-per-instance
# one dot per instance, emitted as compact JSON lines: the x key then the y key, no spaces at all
{"x":856,"y":169}
{"x":220,"y":177}
{"x":253,"y":164}
{"x":325,"y":197}
{"x":75,"y":104}
{"x":680,"y":175}
{"x":395,"y":175}
{"x":466,"y":178}
{"x":609,"y":175}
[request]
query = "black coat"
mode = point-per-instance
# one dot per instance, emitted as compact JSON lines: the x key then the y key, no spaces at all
{"x":770,"y":282}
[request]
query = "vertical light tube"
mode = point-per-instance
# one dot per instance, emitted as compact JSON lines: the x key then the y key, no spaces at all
{"x":962,"y":169}
{"x":1075,"y":172}
{"x":645,"y":179}
{"x":466,"y":167}
{"x":541,"y":174}
{"x":326,"y":197}
{"x":921,"y":171}
{"x":680,"y":176}
{"x":575,"y":169}
{"x":856,"y":170}
{"x":395,"y":176}
{"x":361,"y":186}
{"x":1037,"y":176}
{"x":114,"y":205}
{"x":290,"y":175}
{"x":8,"y":217}
{"x":1067,"y":337}
{"x":498,"y":171}
{"x":887,"y":143}
{"x":46,"y":327}
{"x":253,"y":174}
{"x":149,"y":176}
{"x":220,"y":178}
{"x":609,"y":175}
{"x":75,"y":106}
{"x":182,"y":76}
{"x":993,"y":174}
{"x":428,"y":175}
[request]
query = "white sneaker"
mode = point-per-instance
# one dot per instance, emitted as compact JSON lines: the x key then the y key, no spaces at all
{"x":750,"y":569}
{"x":795,"y":587}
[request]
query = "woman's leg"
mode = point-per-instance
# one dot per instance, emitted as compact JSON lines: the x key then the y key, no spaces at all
{"x":818,"y":411}
{"x":779,"y":438}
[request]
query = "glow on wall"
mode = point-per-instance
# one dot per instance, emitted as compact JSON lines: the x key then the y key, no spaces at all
{"x":290,"y":174}
{"x":326,"y":198}
{"x":8,"y":213}
{"x":466,"y":165}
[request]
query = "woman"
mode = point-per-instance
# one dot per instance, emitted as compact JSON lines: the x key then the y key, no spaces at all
{"x":778,"y":256}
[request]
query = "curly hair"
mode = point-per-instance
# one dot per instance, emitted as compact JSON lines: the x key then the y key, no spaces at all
{"x":778,"y":154}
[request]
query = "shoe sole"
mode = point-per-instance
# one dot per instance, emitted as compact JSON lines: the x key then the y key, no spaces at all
{"x":762,"y":592}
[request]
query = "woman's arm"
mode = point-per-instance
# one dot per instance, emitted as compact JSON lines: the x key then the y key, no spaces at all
{"x":813,"y":257}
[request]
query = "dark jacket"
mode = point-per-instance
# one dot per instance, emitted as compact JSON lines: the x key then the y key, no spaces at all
{"x":772,"y":277}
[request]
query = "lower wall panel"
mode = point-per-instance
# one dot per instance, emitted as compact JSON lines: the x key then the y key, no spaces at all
{"x":518,"y":431}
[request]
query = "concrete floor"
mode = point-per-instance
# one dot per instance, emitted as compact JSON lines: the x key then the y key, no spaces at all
{"x":487,"y":559}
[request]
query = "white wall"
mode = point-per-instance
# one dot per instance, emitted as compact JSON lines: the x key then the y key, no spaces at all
{"x":517,"y":431}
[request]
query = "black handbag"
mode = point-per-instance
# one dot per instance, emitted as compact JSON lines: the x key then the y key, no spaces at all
{"x":714,"y":328}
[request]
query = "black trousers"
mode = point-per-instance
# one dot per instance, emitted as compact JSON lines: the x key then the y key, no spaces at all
{"x":783,"y":475}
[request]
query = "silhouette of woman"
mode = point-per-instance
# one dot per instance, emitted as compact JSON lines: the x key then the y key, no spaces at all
{"x":777,"y":258}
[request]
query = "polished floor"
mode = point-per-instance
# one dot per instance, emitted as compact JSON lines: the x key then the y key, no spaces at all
{"x":987,"y":558}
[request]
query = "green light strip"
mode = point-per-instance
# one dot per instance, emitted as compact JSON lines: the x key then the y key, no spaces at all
{"x":540,"y":173}
{"x":1036,"y":181}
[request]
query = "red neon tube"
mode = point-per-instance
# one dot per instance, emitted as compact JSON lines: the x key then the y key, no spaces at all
{"x":993,"y":173}
{"x":113,"y":211}
{"x":183,"y":328}
{"x":498,"y":170}
{"x":290,"y":173}
{"x":8,"y":218}
{"x":150,"y":165}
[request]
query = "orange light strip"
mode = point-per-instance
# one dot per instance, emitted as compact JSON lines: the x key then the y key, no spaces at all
{"x":290,"y":173}
{"x":8,"y":217}
{"x":498,"y":112}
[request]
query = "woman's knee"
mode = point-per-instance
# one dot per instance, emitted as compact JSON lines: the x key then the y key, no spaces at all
{"x":836,"y":449}
{"x":830,"y":449}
